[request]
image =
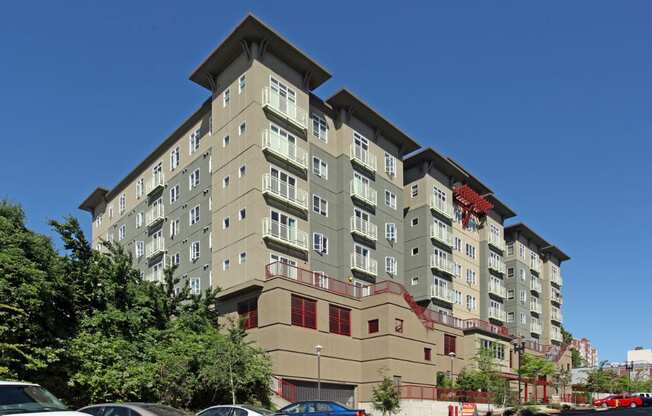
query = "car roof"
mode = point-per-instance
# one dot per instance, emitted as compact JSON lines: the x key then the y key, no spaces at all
{"x":16,"y":383}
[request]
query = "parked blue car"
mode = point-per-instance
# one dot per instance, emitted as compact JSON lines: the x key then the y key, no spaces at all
{"x":319,"y":408}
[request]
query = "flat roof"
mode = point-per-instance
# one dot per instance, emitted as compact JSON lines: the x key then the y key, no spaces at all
{"x":363,"y":111}
{"x":253,"y":29}
{"x":93,"y":199}
{"x":500,"y":207}
{"x":526,"y":231}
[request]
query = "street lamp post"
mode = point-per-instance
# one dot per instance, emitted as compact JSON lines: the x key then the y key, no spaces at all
{"x":519,"y":349}
{"x":629,"y":366}
{"x":452,"y":355}
{"x":318,"y":349}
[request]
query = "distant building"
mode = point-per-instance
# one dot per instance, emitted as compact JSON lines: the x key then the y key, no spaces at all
{"x":587,"y":351}
{"x":640,"y":355}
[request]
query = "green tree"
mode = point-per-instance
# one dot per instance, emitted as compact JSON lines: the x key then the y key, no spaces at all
{"x":576,"y":359}
{"x":567,"y":337}
{"x":386,"y":397}
{"x":535,"y":368}
{"x":485,"y":376}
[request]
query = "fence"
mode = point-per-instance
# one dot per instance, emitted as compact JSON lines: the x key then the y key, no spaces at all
{"x":415,"y":392}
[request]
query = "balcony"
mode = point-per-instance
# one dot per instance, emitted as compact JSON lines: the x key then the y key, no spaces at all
{"x":284,"y":149}
{"x":155,"y":183}
{"x":535,"y":307}
{"x":445,"y":209}
{"x":497,"y":242}
{"x":556,"y":297}
{"x":555,"y":335}
{"x":556,"y":279}
{"x":535,"y":266}
{"x":155,"y":215}
{"x":535,"y":328}
{"x":498,"y":314}
{"x":443,"y":235}
{"x":155,"y":247}
{"x":535,"y":285}
{"x":443,"y":264}
{"x":364,"y":193}
{"x":556,"y":316}
{"x":497,"y":289}
{"x":283,"y":108}
{"x":441,"y":293}
{"x":365,"y":229}
{"x":496,"y":265}
{"x":362,"y":157}
{"x":364,"y":264}
{"x":284,"y":192}
{"x":282,"y":234}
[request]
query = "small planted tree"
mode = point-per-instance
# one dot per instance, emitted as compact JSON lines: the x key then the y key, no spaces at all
{"x":536,"y":367}
{"x":386,"y":397}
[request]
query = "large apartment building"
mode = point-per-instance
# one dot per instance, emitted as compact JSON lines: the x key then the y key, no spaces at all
{"x":324,"y":224}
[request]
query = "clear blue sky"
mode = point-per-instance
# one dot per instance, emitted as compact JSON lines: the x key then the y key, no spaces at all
{"x":549,"y":103}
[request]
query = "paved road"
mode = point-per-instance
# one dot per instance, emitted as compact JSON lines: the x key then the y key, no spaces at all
{"x":638,"y":411}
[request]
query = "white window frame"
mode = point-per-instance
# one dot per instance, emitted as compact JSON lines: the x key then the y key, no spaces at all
{"x":242,"y":257}
{"x":319,"y":127}
{"x":414,"y":190}
{"x":391,"y":265}
{"x":390,"y":199}
{"x":226,"y":97}
{"x":319,"y":167}
{"x":194,"y":179}
{"x":195,"y":250}
{"x":174,"y":193}
{"x":225,"y":181}
{"x":122,"y":232}
{"x":140,"y":187}
{"x":139,"y":219}
{"x":195,"y":141}
{"x":226,"y":223}
{"x":175,"y":158}
{"x":319,"y":205}
{"x":391,"y":233}
{"x":175,"y":226}
{"x":242,"y":83}
{"x":390,"y":164}
{"x":320,"y":243}
{"x":122,"y":203}
{"x":194,"y":215}
{"x":195,"y":286}
{"x":226,"y":140}
{"x":140,"y":248}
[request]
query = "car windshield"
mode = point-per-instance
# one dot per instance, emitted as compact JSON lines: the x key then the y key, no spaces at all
{"x":28,"y":399}
{"x":260,"y":410}
{"x":162,"y":410}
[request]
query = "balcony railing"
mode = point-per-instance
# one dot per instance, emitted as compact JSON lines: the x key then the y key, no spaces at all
{"x":443,"y":235}
{"x":555,"y":315}
{"x":497,"y":289}
{"x":486,"y":326}
{"x":363,"y":157}
{"x":284,"y":192}
{"x":364,"y":264}
{"x":284,"y":108}
{"x":498,"y":314}
{"x":555,"y":296}
{"x":556,"y":279}
{"x":444,"y":208}
{"x":288,"y":236}
{"x":364,"y":193}
{"x":442,"y":264}
{"x":364,"y":228}
{"x":535,"y":285}
{"x":155,"y":247}
{"x":497,"y":265}
{"x":156,"y":182}
{"x":535,"y":307}
{"x":535,"y":265}
{"x":497,"y":242}
{"x":282,"y":148}
{"x":556,"y":335}
{"x":535,"y":327}
{"x":441,"y":293}
{"x":155,"y":215}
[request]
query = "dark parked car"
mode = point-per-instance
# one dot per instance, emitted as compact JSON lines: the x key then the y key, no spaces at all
{"x":235,"y":410}
{"x":132,"y":409}
{"x":319,"y":408}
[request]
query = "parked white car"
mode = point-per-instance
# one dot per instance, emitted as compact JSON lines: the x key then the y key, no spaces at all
{"x":235,"y":410}
{"x":18,"y":398}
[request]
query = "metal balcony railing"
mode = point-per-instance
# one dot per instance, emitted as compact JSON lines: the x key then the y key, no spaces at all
{"x":156,"y":182}
{"x":498,"y":314}
{"x":288,"y":236}
{"x":364,"y":264}
{"x":496,"y":265}
{"x":497,"y":289}
{"x":155,"y":215}
{"x":535,"y":327}
{"x":284,"y":149}
{"x":362,"y":157}
{"x":443,"y":235}
{"x":155,"y":247}
{"x":364,"y":228}
{"x":535,"y":307}
{"x":284,"y":192}
{"x":284,"y":108}
{"x":363,"y":192}
{"x":440,"y":263}
{"x":440,"y":206}
{"x":441,"y":293}
{"x":497,"y":242}
{"x":535,"y":285}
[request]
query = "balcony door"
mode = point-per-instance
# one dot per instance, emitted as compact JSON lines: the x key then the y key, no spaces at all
{"x":361,"y":184}
{"x":283,"y":184}
{"x":362,"y":256}
{"x":287,"y":100}
{"x":284,"y":226}
{"x":285,"y":142}
{"x":361,"y":147}
{"x":361,"y":220}
{"x":285,"y":266}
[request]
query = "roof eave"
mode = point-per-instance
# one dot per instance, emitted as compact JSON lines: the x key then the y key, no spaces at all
{"x":93,"y":199}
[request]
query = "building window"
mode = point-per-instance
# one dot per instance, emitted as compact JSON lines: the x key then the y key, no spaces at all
{"x":414,"y":281}
{"x":175,"y":158}
{"x":470,"y":276}
{"x":319,"y":168}
{"x":415,"y":221}
{"x":391,"y":265}
{"x":140,"y":187}
{"x":194,"y":250}
{"x":174,"y":193}
{"x":457,"y":244}
{"x":248,"y":313}
{"x":195,"y":286}
{"x":523,"y":318}
{"x":319,"y":128}
{"x":175,"y":259}
{"x":110,"y":211}
{"x":122,"y":204}
{"x":372,"y":326}
{"x":470,"y":302}
{"x":427,"y":354}
{"x":304,"y":312}
{"x":226,"y":97}
{"x":510,"y":248}
{"x":226,"y":222}
{"x":226,"y":264}
{"x":225,"y":141}
{"x":319,"y":205}
{"x":414,"y":191}
{"x":390,"y":164}
{"x":390,"y":231}
{"x":449,"y":344}
{"x":242,"y":171}
{"x":242,"y":257}
{"x":193,"y":180}
{"x":414,"y":251}
{"x":522,"y":296}
{"x":140,"y":249}
{"x":174,"y":227}
{"x":194,"y":215}
{"x":470,"y":250}
{"x":242,"y":214}
{"x":194,"y":141}
{"x":320,"y":243}
{"x":139,"y":220}
{"x":339,"y":320}
{"x":225,"y":181}
{"x":510,"y":272}
{"x":510,"y":294}
{"x":242,"y":130}
{"x":457,"y":270}
{"x":122,"y":232}
{"x":242,"y":83}
{"x":390,"y":199}
{"x":398,"y":325}
{"x":510,"y":316}
{"x":521,"y":274}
